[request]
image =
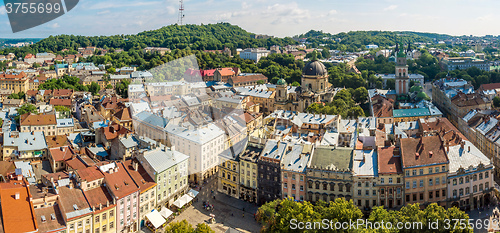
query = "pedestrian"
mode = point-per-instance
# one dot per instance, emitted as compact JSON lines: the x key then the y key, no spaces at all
{"x":243,"y":214}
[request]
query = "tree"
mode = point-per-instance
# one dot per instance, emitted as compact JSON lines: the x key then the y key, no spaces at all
{"x":496,"y":101}
{"x":63,"y":111}
{"x":25,"y":108}
{"x":36,"y":65}
{"x":391,"y":84}
{"x":122,"y":88}
{"x":179,"y":227}
{"x":295,"y":84}
{"x":94,"y":88}
{"x":109,"y":86}
{"x":360,"y":95}
{"x":203,"y":228}
{"x":356,"y":112}
{"x":261,"y":82}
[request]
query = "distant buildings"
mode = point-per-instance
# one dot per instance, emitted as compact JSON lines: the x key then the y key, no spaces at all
{"x":254,"y":54}
{"x":463,"y":63}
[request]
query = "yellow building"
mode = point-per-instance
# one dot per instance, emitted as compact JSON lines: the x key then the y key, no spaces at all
{"x":15,"y":82}
{"x":229,"y":174}
{"x":248,"y":172}
{"x":75,"y":209}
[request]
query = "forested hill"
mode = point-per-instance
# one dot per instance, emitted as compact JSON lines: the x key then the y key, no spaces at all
{"x":352,"y":41}
{"x":195,"y":37}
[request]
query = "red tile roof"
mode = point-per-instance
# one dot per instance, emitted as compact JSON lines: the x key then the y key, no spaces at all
{"x":424,"y":151}
{"x":489,"y":86}
{"x":226,"y":71}
{"x":18,"y":214}
{"x":50,"y":225}
{"x":120,"y":183}
{"x":382,"y":107}
{"x":113,"y":131}
{"x":90,"y":174}
{"x":467,"y":100}
{"x":99,"y":197}
{"x":41,"y":119}
{"x":8,"y":77}
{"x":57,"y":141}
{"x":76,"y":164}
{"x":70,"y":197}
{"x":123,"y":115}
{"x":62,"y":92}
{"x":248,"y":78}
{"x":208,"y":73}
{"x":388,"y":163}
{"x":60,"y":102}
{"x":141,"y":177}
{"x":62,"y":153}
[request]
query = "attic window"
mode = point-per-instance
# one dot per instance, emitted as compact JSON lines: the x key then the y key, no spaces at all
{"x":430,"y":153}
{"x":43,"y":218}
{"x":75,"y":207}
{"x":52,"y":217}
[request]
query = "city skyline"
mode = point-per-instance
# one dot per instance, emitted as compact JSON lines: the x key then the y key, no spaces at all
{"x":278,"y":18}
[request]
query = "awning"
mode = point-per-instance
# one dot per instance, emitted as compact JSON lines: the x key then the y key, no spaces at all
{"x":183,"y":200}
{"x":166,"y":212}
{"x":193,"y":193}
{"x":179,"y":202}
{"x":155,"y":218}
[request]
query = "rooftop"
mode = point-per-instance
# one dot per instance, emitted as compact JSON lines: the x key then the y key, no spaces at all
{"x":296,"y":158}
{"x":73,"y":203}
{"x":365,"y":163}
{"x":422,"y":152}
{"x":141,"y":177}
{"x":18,"y":213}
{"x":161,"y":159}
{"x":119,"y":182}
{"x":466,"y":156}
{"x":388,"y":163}
{"x":326,"y":157}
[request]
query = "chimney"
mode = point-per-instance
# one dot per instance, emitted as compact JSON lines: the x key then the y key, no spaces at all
{"x":110,"y":171}
{"x":136,"y":166}
{"x":116,"y":169}
{"x":18,"y":195}
{"x":468,"y":149}
{"x":430,"y":154}
{"x":70,"y":184}
{"x":62,"y":148}
{"x":107,"y":203}
{"x":52,"y":179}
{"x":461,"y":145}
{"x":172,"y":148}
{"x":447,"y":146}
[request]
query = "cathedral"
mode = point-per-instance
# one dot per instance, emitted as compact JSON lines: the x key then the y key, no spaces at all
{"x":314,"y":88}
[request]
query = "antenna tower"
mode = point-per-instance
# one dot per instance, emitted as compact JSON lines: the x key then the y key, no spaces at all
{"x":181,"y":12}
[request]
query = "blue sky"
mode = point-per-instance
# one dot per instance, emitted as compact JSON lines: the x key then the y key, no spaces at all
{"x":273,"y":17}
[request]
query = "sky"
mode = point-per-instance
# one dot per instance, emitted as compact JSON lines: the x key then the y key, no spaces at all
{"x":272,"y":17}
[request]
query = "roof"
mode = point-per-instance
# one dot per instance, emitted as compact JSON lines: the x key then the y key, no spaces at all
{"x":141,"y":177}
{"x":248,"y":78}
{"x":113,"y":131}
{"x":76,"y":163}
{"x":489,"y":86}
{"x":60,"y":102}
{"x":57,"y":224}
{"x":314,"y":68}
{"x":412,"y":112}
{"x":57,"y":141}
{"x":465,"y":157}
{"x":62,"y":92}
{"x":123,"y":114}
{"x":66,"y":122}
{"x":41,"y":119}
{"x":200,"y":135}
{"x":365,"y":163}
{"x":119,"y":182}
{"x":388,"y":163}
{"x":417,"y":152}
{"x":250,"y":154}
{"x":18,"y":214}
{"x":13,"y":101}
{"x":62,"y":153}
{"x":467,"y":100}
{"x":326,"y":157}
{"x":98,"y":196}
{"x":161,"y":159}
{"x":152,"y":119}
{"x":27,"y":141}
{"x":296,"y":158}
{"x":90,"y":174}
{"x":382,"y":107}
{"x":73,"y":203}
{"x":98,"y":150}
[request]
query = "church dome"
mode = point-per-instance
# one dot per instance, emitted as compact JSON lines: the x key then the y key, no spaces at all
{"x":281,"y":82}
{"x":314,"y":68}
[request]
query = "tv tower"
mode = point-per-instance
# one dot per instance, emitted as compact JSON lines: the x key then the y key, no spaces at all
{"x":181,"y":12}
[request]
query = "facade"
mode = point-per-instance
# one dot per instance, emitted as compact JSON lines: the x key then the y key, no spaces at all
{"x":293,"y":170}
{"x":391,"y":180}
{"x":24,"y":146}
{"x":15,"y":82}
{"x":330,"y":174}
{"x":202,"y":145}
{"x":254,"y":54}
{"x":463,"y":63}
{"x":365,"y":177}
{"x":248,"y":171}
{"x":425,"y":165}
{"x":269,"y":171}
{"x":169,"y":169}
{"x":45,"y":123}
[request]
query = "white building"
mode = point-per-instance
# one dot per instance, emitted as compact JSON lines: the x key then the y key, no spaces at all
{"x":202,"y":145}
{"x":254,"y":54}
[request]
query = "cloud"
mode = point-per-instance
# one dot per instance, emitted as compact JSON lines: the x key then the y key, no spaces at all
{"x":171,"y":10}
{"x":332,"y":12}
{"x":105,"y":12}
{"x":2,"y":10}
{"x":54,"y":25}
{"x":485,"y":18}
{"x":113,"y":4}
{"x":391,"y":7}
{"x":286,"y":13}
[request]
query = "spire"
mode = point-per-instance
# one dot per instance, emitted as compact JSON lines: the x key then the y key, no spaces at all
{"x":396,"y":50}
{"x":409,"y":48}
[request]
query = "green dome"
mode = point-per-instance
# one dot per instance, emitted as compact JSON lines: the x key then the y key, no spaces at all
{"x":281,"y":82}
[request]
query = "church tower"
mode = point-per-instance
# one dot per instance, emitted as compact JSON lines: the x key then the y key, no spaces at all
{"x":402,"y":79}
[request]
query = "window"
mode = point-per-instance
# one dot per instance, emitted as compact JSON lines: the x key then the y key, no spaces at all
{"x":461,"y":192}
{"x":444,"y":193}
{"x":421,"y":196}
{"x":421,"y":171}
{"x":285,"y":185}
{"x":461,"y":180}
{"x":480,"y":187}
{"x":301,"y":178}
{"x":104,"y":228}
{"x":302,"y":188}
{"x":454,"y":192}
{"x":96,"y":218}
{"x":325,"y":186}
{"x":437,"y":169}
{"x":407,"y":185}
{"x":414,"y":184}
{"x":359,"y":192}
{"x":437,"y":181}
{"x":467,"y":191}
{"x":430,"y":170}
{"x":359,"y":183}
{"x":382,"y":191}
{"x":96,"y":230}
{"x":437,"y":194}
{"x":443,"y":168}
{"x":407,"y":173}
{"x":317,"y":185}
{"x":454,"y":182}
{"x":430,"y":195}
{"x":414,"y":172}
{"x":381,"y":181}
{"x":293,"y":176}
{"x":293,"y":186}
{"x":374,"y":192}
{"x":421,"y":183}
{"x":487,"y":185}
{"x":390,"y":180}
{"x":285,"y":175}
{"x":72,"y":226}
{"x":486,"y":175}
{"x":474,"y":177}
{"x":367,"y":193}
{"x":111,"y":213}
{"x":430,"y":182}
{"x":480,"y":176}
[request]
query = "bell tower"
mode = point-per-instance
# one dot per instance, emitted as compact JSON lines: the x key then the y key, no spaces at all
{"x":402,"y":78}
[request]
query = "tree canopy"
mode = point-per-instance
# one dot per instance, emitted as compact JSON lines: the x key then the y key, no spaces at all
{"x":284,"y":216}
{"x":185,"y":227}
